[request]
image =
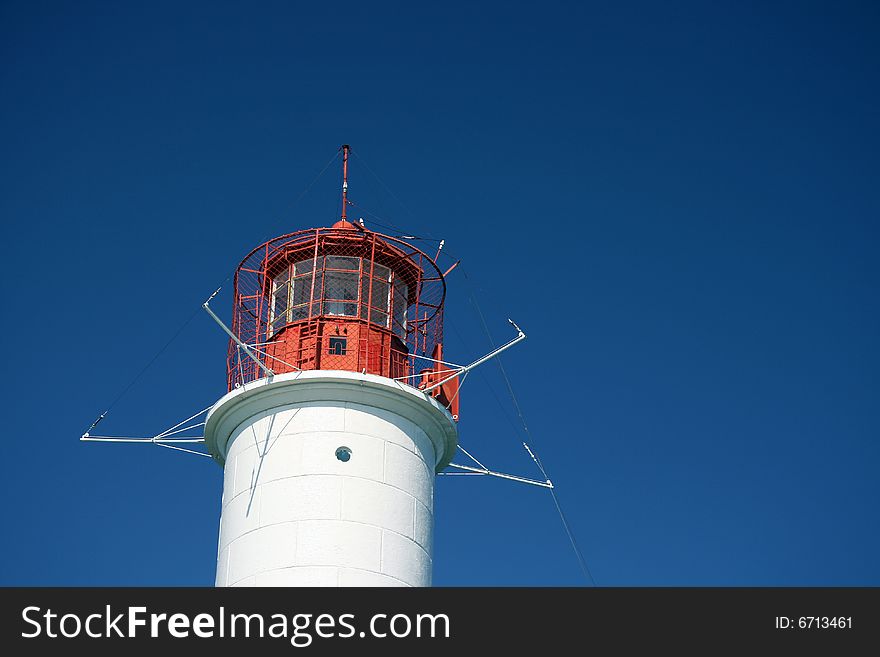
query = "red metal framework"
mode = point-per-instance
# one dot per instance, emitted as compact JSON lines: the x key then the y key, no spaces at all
{"x":340,"y":298}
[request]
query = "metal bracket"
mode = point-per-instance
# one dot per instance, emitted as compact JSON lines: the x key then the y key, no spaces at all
{"x":162,"y":439}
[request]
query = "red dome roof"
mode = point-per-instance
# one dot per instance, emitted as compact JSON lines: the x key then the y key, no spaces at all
{"x":342,"y":223}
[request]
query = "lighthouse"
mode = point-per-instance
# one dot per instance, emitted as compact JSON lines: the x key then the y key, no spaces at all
{"x":340,"y":411}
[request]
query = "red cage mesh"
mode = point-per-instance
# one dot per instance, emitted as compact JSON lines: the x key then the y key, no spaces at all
{"x":340,"y":298}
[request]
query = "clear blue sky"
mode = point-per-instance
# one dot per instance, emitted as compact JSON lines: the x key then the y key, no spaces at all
{"x":677,"y":201}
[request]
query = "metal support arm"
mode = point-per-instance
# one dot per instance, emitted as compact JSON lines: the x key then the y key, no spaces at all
{"x":234,"y":337}
{"x":480,"y":361}
{"x":492,"y":473}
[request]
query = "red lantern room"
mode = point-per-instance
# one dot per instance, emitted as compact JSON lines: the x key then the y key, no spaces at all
{"x":341,"y":298}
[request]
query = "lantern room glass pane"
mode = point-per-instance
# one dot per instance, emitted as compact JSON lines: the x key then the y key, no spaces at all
{"x":379,"y":271}
{"x":380,"y":295}
{"x":280,"y":300}
{"x":340,"y":287}
{"x":305,"y":266}
{"x":377,"y":298}
{"x":365,"y":294}
{"x":318,"y":287}
{"x":343,"y":262}
{"x":398,"y":310}
{"x":302,"y":290}
{"x":291,"y":296}
{"x":338,"y":308}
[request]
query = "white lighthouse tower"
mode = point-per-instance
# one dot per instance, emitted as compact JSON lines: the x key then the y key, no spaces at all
{"x":339,"y":413}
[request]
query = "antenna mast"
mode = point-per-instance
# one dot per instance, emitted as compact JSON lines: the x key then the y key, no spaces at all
{"x":345,"y":149}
